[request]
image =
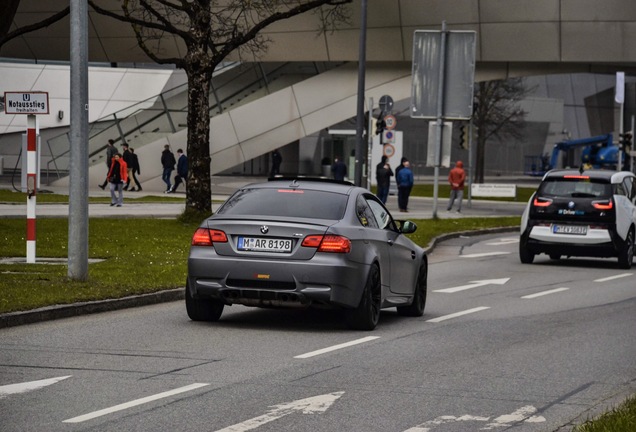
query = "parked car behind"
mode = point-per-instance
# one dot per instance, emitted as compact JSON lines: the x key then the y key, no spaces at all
{"x":581,"y":213}
{"x":306,"y":243}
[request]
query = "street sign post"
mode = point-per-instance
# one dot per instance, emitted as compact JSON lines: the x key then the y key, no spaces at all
{"x":31,"y":104}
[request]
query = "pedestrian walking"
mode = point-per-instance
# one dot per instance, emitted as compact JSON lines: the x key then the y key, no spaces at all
{"x":127,"y":157}
{"x":277,"y":159}
{"x":134,"y":170}
{"x":167,"y":162}
{"x":182,"y":171}
{"x":405,"y":183}
{"x":456,"y":178}
{"x":383,"y":174}
{"x":338,"y":169}
{"x":400,"y":166}
{"x":117,"y":176}
{"x":110,"y":152}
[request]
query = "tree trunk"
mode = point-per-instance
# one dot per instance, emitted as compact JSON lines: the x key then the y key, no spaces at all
{"x":481,"y":160}
{"x":199,"y":191}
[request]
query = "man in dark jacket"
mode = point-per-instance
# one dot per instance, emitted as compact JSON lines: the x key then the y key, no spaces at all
{"x":167,"y":162}
{"x":110,"y":153}
{"x":127,"y":157}
{"x":338,"y":169}
{"x":134,"y":170}
{"x":182,"y":171}
{"x":383,"y":174}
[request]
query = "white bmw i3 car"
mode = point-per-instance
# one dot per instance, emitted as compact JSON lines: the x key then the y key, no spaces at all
{"x":581,"y":213}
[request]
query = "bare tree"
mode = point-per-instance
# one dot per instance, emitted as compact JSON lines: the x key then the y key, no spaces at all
{"x":497,"y":114}
{"x":211,"y":31}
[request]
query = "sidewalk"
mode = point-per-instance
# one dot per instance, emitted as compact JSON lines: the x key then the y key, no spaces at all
{"x":223,"y":187}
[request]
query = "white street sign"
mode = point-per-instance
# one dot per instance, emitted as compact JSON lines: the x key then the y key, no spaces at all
{"x":26,"y":102}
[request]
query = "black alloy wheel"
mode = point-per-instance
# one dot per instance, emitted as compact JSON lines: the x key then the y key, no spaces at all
{"x":367,"y":314}
{"x":202,"y":309}
{"x":416,"y":308}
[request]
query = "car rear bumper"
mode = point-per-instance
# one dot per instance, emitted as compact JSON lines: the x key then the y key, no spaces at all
{"x":601,"y":242}
{"x":325,"y":280}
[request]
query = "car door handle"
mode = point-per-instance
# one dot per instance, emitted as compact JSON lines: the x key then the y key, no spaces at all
{"x":390,"y":242}
{"x":412,"y":254}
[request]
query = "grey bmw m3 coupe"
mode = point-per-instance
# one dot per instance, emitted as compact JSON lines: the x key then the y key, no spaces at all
{"x":299,"y":243}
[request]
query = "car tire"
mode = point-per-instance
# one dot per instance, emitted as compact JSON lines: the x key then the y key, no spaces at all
{"x":416,"y":308}
{"x":525,"y":255}
{"x":367,"y":314}
{"x":626,"y":254}
{"x":202,"y":309}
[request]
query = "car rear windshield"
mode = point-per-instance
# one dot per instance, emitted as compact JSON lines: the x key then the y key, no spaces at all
{"x":287,"y":203}
{"x":575,"y":188}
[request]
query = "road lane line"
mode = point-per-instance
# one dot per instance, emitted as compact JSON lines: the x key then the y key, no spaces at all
{"x":134,"y":403}
{"x":458,"y":314}
{"x":485,"y":254}
{"x":614,"y":277}
{"x":542,"y":293}
{"x":336,"y":347}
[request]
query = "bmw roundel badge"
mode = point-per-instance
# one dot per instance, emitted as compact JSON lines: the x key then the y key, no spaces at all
{"x":264,"y":229}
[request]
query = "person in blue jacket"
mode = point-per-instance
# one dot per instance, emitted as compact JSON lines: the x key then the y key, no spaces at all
{"x":182,"y":171}
{"x":404,"y":180}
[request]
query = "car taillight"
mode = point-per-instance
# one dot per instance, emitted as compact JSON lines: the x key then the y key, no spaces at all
{"x":607,"y":204}
{"x":328,"y":243}
{"x":541,"y":202}
{"x":207,"y":237}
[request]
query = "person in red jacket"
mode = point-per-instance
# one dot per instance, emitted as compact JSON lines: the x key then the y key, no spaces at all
{"x":117,"y":177}
{"x":456,"y":178}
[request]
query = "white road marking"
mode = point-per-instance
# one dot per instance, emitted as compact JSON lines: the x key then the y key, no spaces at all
{"x":316,"y":404}
{"x":337,"y":347}
{"x":522,"y":414}
{"x":474,"y":284}
{"x":29,"y":386}
{"x":134,"y":403}
{"x":539,"y":294}
{"x":484,"y":254}
{"x":504,"y":241}
{"x":458,"y":314}
{"x":614,"y":277}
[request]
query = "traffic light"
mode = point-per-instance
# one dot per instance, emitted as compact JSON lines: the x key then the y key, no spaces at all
{"x":625,"y":141}
{"x":380,"y":125}
{"x":463,"y":136}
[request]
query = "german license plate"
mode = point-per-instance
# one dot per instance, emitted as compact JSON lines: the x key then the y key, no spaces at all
{"x":570,"y":229}
{"x":258,"y":244}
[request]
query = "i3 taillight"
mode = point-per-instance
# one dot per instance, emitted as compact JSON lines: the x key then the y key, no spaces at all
{"x":541,"y":202}
{"x":607,"y":204}
{"x":328,"y":243}
{"x":207,"y":237}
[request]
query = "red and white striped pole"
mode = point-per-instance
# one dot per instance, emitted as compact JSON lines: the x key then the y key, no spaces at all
{"x":32,"y":182}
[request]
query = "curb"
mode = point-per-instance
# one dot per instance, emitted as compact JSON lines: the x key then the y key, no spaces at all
{"x":48,"y":313}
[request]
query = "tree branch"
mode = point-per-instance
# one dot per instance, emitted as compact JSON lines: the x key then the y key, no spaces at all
{"x":33,"y":27}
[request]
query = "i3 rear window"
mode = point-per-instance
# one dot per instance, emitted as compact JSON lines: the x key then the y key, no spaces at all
{"x":286,"y":202}
{"x":575,"y":188}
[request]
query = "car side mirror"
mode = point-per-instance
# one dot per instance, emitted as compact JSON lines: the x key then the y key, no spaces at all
{"x":408,"y":227}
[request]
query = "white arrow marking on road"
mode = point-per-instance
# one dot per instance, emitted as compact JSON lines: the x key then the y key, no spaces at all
{"x":29,"y":386}
{"x":474,"y":284}
{"x":522,"y":414}
{"x":484,"y":254}
{"x":134,"y":403}
{"x":613,"y":277}
{"x":311,"y":405}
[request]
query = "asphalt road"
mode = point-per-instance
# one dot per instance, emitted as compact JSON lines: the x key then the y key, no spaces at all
{"x":502,"y":346}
